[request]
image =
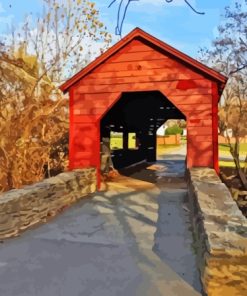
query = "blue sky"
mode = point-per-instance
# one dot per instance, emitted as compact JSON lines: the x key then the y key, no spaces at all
{"x":173,"y":23}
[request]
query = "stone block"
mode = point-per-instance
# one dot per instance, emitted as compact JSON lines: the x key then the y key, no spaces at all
{"x":221,"y":232}
{"x":22,"y":208}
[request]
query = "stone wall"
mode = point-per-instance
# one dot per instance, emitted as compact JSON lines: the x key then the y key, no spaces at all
{"x":22,"y":208}
{"x":221,"y":234}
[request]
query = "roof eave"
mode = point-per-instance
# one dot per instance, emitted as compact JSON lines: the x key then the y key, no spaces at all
{"x":100,"y":59}
{"x":163,"y":46}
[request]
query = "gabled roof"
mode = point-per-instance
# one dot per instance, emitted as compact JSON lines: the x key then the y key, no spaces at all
{"x":162,"y":46}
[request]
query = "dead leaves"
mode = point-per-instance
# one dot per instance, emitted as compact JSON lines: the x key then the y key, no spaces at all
{"x":29,"y":126}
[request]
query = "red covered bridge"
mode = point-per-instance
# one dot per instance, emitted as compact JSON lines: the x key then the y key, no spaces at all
{"x":135,"y":86}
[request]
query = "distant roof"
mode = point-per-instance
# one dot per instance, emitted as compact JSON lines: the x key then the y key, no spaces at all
{"x":162,"y":46}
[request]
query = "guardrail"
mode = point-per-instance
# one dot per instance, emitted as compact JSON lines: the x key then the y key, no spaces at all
{"x":221,"y":233}
{"x":22,"y":208}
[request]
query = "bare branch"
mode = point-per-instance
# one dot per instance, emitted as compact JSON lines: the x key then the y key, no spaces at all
{"x":120,"y":20}
{"x":187,"y":2}
{"x":112,"y":3}
{"x":238,"y":69}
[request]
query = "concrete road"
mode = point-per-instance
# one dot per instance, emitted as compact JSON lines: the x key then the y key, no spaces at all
{"x":134,"y":239}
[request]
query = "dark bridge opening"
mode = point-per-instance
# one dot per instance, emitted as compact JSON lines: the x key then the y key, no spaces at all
{"x":136,"y":116}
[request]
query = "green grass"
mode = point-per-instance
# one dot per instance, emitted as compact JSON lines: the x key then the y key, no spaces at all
{"x":224,"y":151}
{"x":225,"y":148}
{"x":230,"y":164}
{"x":117,"y":142}
{"x":168,"y":146}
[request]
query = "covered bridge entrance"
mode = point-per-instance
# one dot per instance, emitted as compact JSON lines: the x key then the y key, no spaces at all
{"x":134,"y":87}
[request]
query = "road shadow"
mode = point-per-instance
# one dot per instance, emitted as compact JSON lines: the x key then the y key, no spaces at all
{"x":173,"y":240}
{"x":160,"y":172}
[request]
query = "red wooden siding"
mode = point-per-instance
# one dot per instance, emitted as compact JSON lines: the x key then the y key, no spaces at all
{"x":186,"y":89}
{"x":140,"y":65}
{"x":215,"y":94}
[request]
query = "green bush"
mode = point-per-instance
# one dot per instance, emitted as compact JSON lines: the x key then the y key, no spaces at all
{"x":173,"y":130}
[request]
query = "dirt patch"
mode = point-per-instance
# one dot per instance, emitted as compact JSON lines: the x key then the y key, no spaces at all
{"x":232,"y":181}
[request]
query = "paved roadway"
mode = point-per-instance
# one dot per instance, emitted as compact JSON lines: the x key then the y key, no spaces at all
{"x":134,"y":239}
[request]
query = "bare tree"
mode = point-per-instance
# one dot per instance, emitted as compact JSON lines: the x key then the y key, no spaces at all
{"x":229,"y":56}
{"x":63,"y":36}
{"x":33,"y":112}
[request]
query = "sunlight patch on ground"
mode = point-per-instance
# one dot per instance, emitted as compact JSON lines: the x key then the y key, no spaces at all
{"x":156,"y":167}
{"x":124,"y":183}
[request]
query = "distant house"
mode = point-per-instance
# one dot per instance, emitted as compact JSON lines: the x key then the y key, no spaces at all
{"x":228,"y":132}
{"x":169,"y":123}
{"x":184,"y":132}
{"x":161,"y":130}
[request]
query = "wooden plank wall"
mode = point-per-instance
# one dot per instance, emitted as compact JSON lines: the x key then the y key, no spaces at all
{"x":139,"y":67}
